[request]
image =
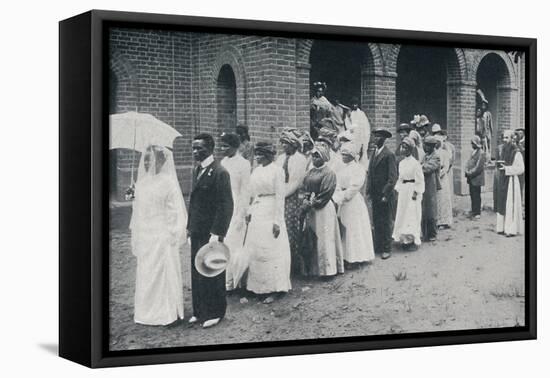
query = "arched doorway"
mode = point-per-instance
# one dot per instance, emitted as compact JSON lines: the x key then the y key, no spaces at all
{"x":493,"y":79}
{"x":421,"y":86}
{"x":343,"y":67}
{"x":226,"y":100}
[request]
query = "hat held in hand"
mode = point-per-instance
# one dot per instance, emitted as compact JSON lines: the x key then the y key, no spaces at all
{"x":212,"y":259}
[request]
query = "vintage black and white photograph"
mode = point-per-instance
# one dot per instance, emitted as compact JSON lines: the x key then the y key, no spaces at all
{"x":266,"y":188}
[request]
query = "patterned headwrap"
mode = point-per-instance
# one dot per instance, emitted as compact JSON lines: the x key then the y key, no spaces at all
{"x":264,"y":148}
{"x":291,"y":136}
{"x":231,"y":139}
{"x":432,"y":140}
{"x":322,"y":150}
{"x":409,"y":142}
{"x":349,"y":149}
{"x":477,"y":141}
{"x":327,"y":134}
{"x":346,"y":136}
{"x":305,"y":139}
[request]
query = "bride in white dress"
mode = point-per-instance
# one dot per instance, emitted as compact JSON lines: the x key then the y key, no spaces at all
{"x":158,"y":227}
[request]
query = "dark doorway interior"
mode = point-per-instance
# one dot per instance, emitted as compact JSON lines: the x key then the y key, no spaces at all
{"x":339,"y":65}
{"x":421,"y":86}
{"x":226,"y":100}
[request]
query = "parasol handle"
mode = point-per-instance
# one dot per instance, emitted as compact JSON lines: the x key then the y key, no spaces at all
{"x":133,"y":156}
{"x":245,"y":233}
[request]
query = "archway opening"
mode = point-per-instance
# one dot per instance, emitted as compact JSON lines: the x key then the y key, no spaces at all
{"x":226,"y":100}
{"x":492,"y":78}
{"x":421,"y":86}
{"x":342,"y":66}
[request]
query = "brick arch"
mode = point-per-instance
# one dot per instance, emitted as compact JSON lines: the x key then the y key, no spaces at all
{"x":457,"y":67}
{"x":127,"y":82}
{"x":509,"y":79}
{"x":231,"y":56}
{"x":373,"y":54}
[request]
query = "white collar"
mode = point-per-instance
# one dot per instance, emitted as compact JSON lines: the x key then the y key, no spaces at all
{"x":206,"y":162}
{"x":378,"y":150}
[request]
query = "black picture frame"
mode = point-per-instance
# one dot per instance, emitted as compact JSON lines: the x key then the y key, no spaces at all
{"x":84,"y":218}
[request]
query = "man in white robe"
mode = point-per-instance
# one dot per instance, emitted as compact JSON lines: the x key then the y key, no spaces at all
{"x":508,"y":201}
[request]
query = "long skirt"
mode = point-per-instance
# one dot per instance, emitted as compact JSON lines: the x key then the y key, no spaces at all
{"x":511,"y":223}
{"x":292,"y":220}
{"x":159,"y":282}
{"x":269,"y":267}
{"x":408,"y":216}
{"x":356,"y":232}
{"x":234,"y":241}
{"x":444,"y":203}
{"x":323,"y":238}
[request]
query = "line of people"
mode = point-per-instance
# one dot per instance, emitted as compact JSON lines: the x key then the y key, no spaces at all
{"x":304,"y":212}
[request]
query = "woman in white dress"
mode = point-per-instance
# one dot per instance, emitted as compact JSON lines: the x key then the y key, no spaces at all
{"x":239,"y":174}
{"x":352,"y":210}
{"x":267,"y":239}
{"x":410,"y":187}
{"x":158,"y":226}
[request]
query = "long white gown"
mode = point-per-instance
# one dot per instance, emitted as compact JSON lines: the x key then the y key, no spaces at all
{"x":158,"y":226}
{"x":269,"y":268}
{"x":352,"y":211}
{"x":409,"y":212}
{"x":512,"y":222}
{"x":239,"y":174}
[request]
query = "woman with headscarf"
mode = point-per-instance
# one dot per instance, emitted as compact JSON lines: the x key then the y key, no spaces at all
{"x":158,"y":225}
{"x":239,"y":174}
{"x":356,"y":230}
{"x":444,"y":196}
{"x":267,"y":240}
{"x":294,"y":167}
{"x":329,"y":137}
{"x":307,"y":145}
{"x":431,"y":166}
{"x":410,"y":187}
{"x":322,"y":245}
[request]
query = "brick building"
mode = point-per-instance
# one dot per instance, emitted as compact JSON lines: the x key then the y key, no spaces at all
{"x":201,"y":82}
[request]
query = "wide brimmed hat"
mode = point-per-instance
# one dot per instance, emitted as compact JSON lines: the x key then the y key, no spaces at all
{"x":431,"y":140}
{"x":382,"y":131}
{"x":423,"y":121}
{"x":436,"y":128}
{"x":212,"y":259}
{"x":477,"y":141}
{"x":320,"y":84}
{"x":404,"y":126}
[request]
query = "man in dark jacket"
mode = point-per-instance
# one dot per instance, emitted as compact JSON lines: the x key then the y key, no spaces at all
{"x":381,"y":179}
{"x":210,"y":211}
{"x":475,"y":175}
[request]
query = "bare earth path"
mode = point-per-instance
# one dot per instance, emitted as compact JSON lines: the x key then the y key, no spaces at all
{"x":469,"y":278}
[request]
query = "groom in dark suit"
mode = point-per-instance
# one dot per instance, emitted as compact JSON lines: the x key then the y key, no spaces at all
{"x":381,"y":179}
{"x":210,"y":211}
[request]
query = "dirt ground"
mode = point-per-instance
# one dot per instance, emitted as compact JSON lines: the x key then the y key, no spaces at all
{"x":469,"y":278}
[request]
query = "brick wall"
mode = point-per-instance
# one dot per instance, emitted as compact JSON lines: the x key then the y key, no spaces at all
{"x":174,"y":76}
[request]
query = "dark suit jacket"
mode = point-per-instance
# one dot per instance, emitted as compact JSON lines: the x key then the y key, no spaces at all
{"x":475,"y":168}
{"x":211,"y":202}
{"x":382,"y":175}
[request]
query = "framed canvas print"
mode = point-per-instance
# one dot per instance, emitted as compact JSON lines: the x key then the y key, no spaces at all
{"x":234,"y":188}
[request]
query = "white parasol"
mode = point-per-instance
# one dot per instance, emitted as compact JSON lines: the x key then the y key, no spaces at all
{"x":136,"y":131}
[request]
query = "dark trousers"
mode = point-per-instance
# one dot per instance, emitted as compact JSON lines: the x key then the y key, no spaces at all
{"x":382,"y":216}
{"x":475,"y":196}
{"x":429,"y":228}
{"x":208,"y":292}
